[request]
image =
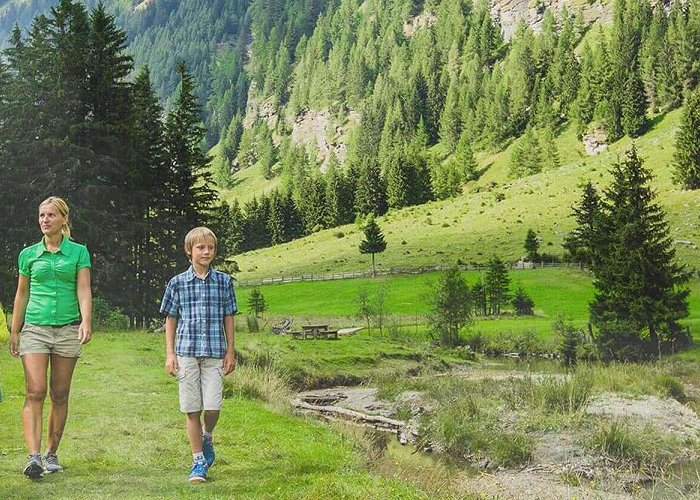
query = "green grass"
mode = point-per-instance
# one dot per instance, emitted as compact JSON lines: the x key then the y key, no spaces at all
{"x":554,"y":291}
{"x":474,"y":226}
{"x":125,"y":439}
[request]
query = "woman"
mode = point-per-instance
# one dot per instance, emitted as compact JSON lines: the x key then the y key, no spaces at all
{"x":51,"y":321}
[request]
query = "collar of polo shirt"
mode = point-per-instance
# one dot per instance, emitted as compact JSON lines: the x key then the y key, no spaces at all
{"x":40,"y":249}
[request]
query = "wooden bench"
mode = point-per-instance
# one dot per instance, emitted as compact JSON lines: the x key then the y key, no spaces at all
{"x":315,"y":332}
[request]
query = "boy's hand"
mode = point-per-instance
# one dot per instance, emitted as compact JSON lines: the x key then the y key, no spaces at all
{"x":229,"y":363}
{"x":171,"y":364}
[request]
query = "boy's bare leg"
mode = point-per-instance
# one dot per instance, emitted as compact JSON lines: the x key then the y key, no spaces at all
{"x":59,"y":389}
{"x":211,"y":417}
{"x":194,"y":431}
{"x":35,"y":367}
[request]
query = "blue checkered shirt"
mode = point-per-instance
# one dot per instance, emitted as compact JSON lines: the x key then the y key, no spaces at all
{"x":200,"y":306}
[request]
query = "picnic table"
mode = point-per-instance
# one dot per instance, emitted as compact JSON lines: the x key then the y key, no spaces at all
{"x":316,"y":332}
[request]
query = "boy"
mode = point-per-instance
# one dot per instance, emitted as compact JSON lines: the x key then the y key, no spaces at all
{"x":199,"y":305}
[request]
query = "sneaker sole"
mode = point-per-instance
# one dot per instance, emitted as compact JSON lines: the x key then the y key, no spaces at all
{"x":33,"y":471}
{"x":50,"y":471}
{"x":198,"y":479}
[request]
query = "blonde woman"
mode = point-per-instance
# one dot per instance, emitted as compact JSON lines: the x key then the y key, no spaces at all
{"x":51,"y":321}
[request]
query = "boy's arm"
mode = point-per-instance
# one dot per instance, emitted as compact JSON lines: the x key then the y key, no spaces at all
{"x":170,"y":357}
{"x":230,"y":356}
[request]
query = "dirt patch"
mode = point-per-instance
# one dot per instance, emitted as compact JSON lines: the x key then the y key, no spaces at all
{"x":665,"y":415}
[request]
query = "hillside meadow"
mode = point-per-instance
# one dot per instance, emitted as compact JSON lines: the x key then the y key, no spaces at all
{"x":490,"y":217}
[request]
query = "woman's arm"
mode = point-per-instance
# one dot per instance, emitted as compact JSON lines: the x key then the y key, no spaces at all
{"x":18,"y":310}
{"x":85,"y":302}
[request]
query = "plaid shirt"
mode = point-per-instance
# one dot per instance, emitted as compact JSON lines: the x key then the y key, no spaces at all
{"x":200,"y":306}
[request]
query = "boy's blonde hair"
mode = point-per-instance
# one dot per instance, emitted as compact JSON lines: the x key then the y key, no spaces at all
{"x":62,"y":207}
{"x":195,"y":236}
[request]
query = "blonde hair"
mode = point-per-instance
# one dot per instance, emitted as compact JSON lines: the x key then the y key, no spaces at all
{"x":62,"y":207}
{"x":195,"y":236}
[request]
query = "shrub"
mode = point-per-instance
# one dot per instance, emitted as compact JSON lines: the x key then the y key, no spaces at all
{"x":522,"y":303}
{"x":107,"y":317}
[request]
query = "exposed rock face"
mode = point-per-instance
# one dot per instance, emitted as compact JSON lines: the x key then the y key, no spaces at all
{"x":319,"y":129}
{"x":510,"y":12}
{"x":594,"y":142}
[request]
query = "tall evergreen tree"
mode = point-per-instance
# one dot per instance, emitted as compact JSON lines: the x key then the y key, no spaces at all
{"x":639,"y":286}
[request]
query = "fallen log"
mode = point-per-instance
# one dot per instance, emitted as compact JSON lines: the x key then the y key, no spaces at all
{"x":376,"y":421}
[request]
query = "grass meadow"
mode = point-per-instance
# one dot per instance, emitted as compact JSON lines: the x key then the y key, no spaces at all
{"x":555,"y":291}
{"x":125,"y":438}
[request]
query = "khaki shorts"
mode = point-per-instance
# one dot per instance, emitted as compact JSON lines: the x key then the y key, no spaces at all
{"x":43,"y":339}
{"x":201,"y":383}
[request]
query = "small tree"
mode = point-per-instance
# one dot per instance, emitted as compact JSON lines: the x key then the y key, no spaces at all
{"x":451,"y":307}
{"x":374,"y":240}
{"x":570,"y":338}
{"x":256,"y":302}
{"x":522,"y":303}
{"x":532,"y":244}
{"x":365,"y":309}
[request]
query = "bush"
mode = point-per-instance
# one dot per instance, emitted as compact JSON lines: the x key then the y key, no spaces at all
{"x":522,"y":303}
{"x":107,"y":317}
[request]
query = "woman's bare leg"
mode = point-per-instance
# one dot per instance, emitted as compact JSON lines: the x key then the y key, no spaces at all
{"x":35,"y":365}
{"x":61,"y":376}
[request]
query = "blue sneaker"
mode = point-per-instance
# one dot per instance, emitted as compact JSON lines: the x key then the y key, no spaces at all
{"x":208,"y":450}
{"x":198,"y":473}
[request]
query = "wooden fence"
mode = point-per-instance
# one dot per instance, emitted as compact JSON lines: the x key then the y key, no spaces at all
{"x":399,"y":271}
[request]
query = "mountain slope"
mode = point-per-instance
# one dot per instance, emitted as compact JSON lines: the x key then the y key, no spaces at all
{"x":474,"y":225}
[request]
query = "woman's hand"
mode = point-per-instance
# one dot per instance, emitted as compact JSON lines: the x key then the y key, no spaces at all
{"x":85,"y":332}
{"x":171,"y":364}
{"x":14,"y":344}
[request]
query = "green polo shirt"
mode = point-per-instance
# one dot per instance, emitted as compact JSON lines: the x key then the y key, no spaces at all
{"x":53,"y":297}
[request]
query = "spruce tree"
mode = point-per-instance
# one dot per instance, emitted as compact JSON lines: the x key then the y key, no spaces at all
{"x":450,"y":307}
{"x":532,"y":244}
{"x":639,"y":286}
{"x":374,"y":241}
{"x":687,"y":154}
{"x":496,"y":284}
{"x":585,"y":240}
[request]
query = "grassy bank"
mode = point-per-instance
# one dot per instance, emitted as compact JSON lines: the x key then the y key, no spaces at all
{"x":125,"y":439}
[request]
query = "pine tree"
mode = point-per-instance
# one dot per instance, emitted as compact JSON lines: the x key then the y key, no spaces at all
{"x":451,"y":307}
{"x":496,"y":283}
{"x":532,"y":244}
{"x":190,"y":195}
{"x":639,"y":286}
{"x":526,"y":158}
{"x":586,"y":238}
{"x":256,"y":302}
{"x":687,"y":154}
{"x":374,"y":241}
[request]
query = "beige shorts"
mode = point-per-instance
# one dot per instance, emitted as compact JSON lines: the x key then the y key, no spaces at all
{"x":201,"y":383}
{"x":43,"y":339}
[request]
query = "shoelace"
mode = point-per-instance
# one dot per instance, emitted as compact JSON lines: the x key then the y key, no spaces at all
{"x":51,"y":459}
